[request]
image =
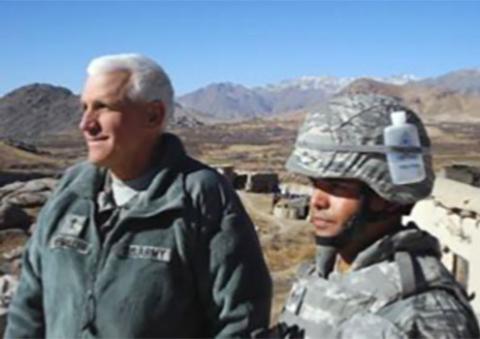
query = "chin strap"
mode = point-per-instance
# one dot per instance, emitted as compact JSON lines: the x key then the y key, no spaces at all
{"x":325,"y":259}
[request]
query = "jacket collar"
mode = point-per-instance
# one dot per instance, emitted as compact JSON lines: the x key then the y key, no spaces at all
{"x":407,"y":238}
{"x":165,"y":191}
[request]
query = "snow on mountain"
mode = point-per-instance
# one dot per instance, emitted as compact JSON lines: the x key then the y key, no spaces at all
{"x":399,"y":80}
{"x":331,"y":85}
{"x":327,"y":84}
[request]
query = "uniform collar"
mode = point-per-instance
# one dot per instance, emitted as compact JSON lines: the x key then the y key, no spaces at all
{"x":407,"y":238}
{"x":170,"y":154}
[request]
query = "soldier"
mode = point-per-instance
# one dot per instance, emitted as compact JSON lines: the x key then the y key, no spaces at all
{"x":141,"y":240}
{"x":374,"y":276}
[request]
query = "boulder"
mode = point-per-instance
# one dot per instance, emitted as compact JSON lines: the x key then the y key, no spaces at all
{"x":12,"y":244}
{"x":39,"y":185}
{"x":12,"y":216}
{"x":29,"y":199}
{"x":8,"y":286}
{"x":32,"y":193}
{"x":9,"y":189}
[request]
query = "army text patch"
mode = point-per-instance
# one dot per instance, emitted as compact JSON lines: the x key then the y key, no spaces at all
{"x":149,"y":252}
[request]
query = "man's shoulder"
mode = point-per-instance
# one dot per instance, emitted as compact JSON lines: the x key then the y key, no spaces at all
{"x":77,"y":169}
{"x":199,"y":175}
{"x":73,"y":174}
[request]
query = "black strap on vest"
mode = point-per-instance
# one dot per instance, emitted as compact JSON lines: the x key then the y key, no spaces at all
{"x":407,"y":273}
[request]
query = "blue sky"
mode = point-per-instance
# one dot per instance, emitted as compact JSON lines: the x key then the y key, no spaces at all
{"x":247,"y":42}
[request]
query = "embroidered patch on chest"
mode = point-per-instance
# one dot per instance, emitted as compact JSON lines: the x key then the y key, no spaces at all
{"x":70,"y":242}
{"x":74,"y":224}
{"x":149,"y":252}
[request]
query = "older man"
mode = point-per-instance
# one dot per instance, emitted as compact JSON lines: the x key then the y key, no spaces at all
{"x":141,"y":240}
{"x":374,"y":276}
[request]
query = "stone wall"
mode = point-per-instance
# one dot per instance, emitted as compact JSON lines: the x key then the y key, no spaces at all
{"x":452,"y":214}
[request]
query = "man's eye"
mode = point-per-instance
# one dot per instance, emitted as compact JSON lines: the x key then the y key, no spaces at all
{"x":100,"y":105}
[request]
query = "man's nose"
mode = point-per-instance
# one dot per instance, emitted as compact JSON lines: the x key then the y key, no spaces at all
{"x":319,"y":199}
{"x":87,"y":122}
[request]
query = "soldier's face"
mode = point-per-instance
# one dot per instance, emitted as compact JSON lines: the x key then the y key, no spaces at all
{"x":333,"y":204}
{"x":114,"y":126}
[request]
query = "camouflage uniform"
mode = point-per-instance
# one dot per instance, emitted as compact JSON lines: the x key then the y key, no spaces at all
{"x":397,"y":286}
{"x":397,"y":289}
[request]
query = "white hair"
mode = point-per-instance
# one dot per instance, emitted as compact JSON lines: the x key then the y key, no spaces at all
{"x":148,"y":81}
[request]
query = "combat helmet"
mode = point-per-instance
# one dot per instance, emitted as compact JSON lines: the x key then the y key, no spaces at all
{"x":344,"y":139}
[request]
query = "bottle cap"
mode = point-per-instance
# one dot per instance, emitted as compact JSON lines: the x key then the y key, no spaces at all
{"x":398,"y":118}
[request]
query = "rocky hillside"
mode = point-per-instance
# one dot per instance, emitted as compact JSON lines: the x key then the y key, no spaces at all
{"x":31,"y":111}
{"x":436,"y":104}
{"x":41,"y":110}
{"x":228,"y":101}
{"x":464,"y":81}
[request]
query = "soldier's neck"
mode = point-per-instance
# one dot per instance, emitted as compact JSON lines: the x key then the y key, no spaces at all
{"x":342,"y":265}
{"x":370,"y":233}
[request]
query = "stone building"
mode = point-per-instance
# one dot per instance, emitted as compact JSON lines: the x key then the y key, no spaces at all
{"x":292,"y":208}
{"x":261,"y":182}
{"x":228,"y":171}
{"x":296,"y":189}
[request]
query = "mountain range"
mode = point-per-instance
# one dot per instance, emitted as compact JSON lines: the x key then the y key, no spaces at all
{"x":233,"y":101}
{"x":228,"y":101}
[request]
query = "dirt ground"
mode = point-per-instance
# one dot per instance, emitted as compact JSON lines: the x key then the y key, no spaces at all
{"x":285,"y":243}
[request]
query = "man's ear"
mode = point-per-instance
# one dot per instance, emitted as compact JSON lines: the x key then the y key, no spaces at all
{"x":155,"y":113}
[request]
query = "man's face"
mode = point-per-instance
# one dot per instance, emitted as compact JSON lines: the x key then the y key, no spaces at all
{"x":114,"y":126}
{"x":333,"y":204}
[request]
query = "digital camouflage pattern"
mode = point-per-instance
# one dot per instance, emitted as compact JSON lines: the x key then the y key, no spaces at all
{"x":378,"y":298}
{"x":331,"y":144}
